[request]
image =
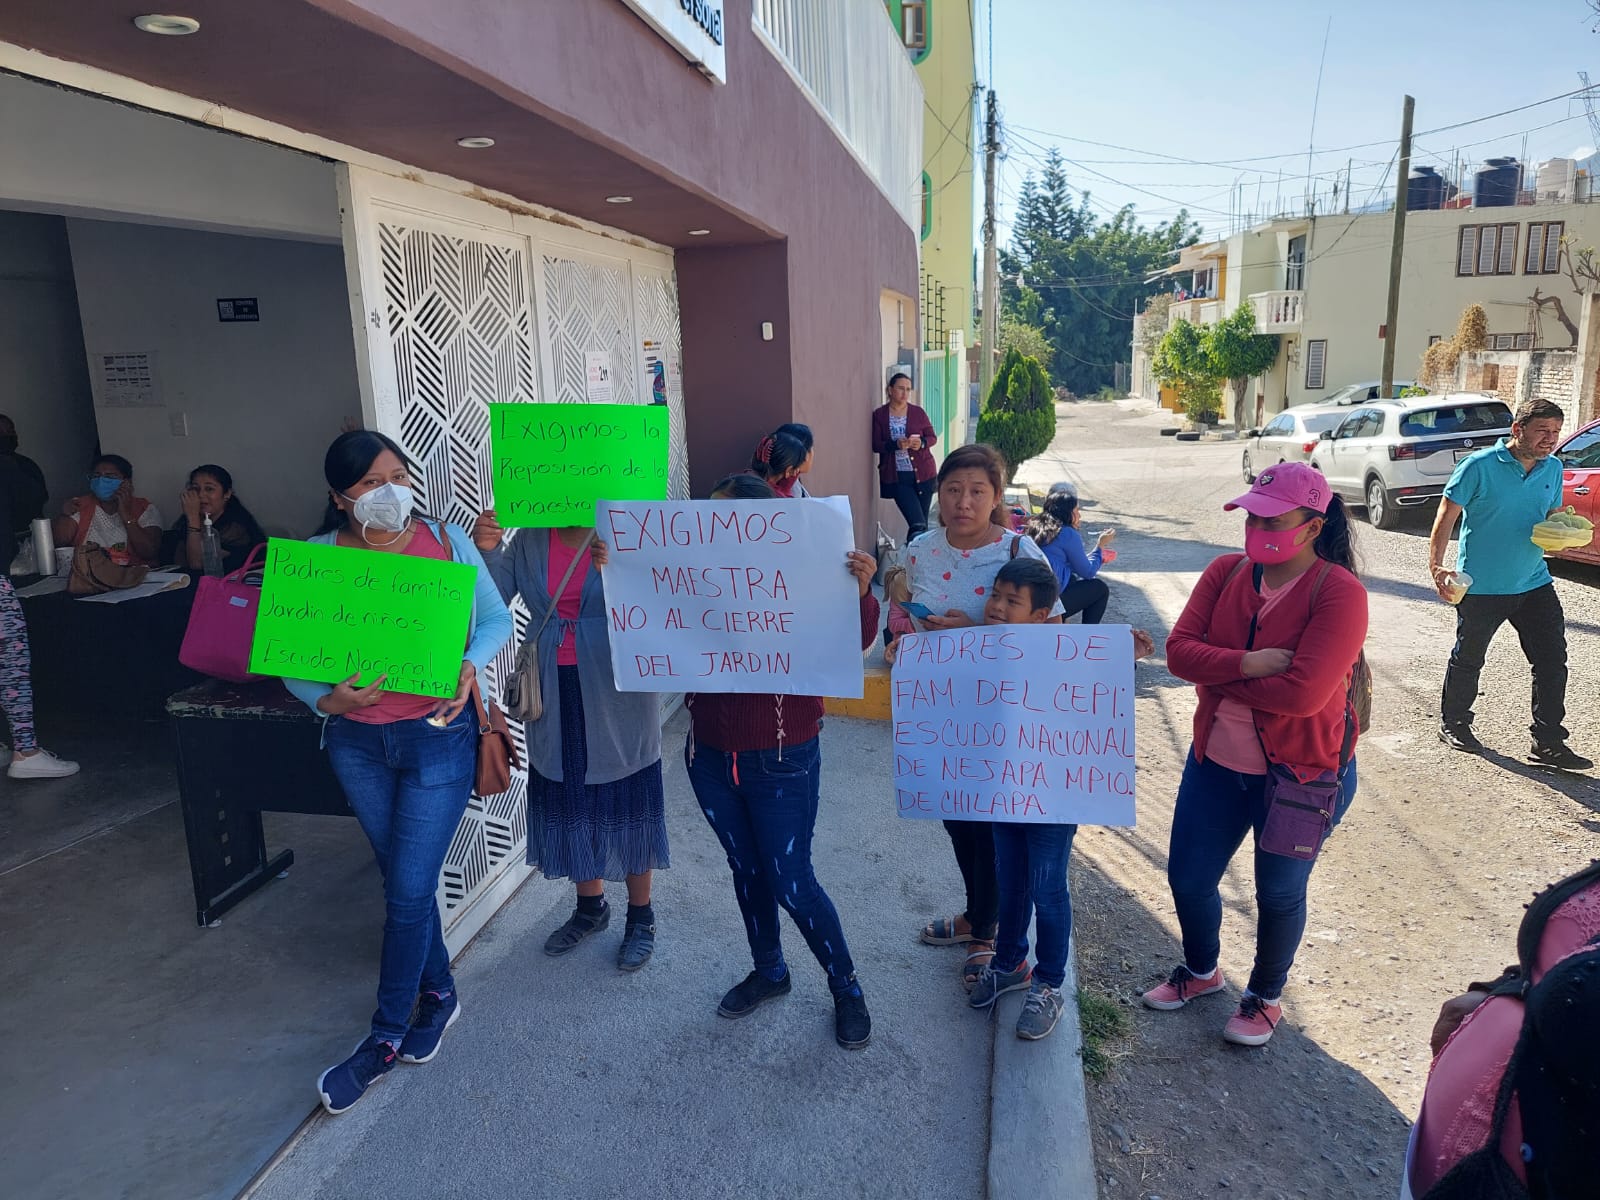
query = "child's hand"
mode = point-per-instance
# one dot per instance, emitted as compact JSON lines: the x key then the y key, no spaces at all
{"x":1143,"y":644}
{"x":599,"y":552}
{"x":891,"y":650}
{"x":863,"y":567}
{"x":954,"y":619}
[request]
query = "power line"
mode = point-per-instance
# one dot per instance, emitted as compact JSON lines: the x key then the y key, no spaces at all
{"x":1234,"y":162}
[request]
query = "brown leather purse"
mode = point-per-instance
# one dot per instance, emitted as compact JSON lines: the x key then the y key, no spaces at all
{"x":497,"y":753}
{"x":95,"y":572}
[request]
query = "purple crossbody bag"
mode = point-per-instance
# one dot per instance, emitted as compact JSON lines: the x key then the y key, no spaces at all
{"x":1299,"y":814}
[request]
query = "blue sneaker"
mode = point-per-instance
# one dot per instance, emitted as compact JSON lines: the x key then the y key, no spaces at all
{"x":341,"y":1086}
{"x":434,"y":1015}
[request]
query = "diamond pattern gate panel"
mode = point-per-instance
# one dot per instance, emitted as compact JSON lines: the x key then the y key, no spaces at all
{"x":655,"y":307}
{"x":461,"y":329}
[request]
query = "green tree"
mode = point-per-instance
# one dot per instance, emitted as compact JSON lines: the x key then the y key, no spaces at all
{"x":1238,"y":354}
{"x":1028,"y":340}
{"x":1183,"y":362}
{"x":1019,"y":414}
{"x":1080,"y":277}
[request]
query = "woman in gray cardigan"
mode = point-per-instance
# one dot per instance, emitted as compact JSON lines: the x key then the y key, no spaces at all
{"x":596,"y":810}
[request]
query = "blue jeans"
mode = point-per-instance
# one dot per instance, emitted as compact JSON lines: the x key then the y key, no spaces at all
{"x":1031,"y":866}
{"x":763,"y":810}
{"x":409,"y":784}
{"x":1216,"y":807}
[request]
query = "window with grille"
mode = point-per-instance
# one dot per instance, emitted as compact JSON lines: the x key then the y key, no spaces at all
{"x":1544,"y":248}
{"x":1316,"y":363}
{"x":1487,"y":250}
{"x":914,"y":24}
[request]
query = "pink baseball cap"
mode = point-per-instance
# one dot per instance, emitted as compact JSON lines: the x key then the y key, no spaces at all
{"x":1284,"y":488}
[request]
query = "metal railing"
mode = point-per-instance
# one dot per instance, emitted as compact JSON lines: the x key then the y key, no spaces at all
{"x":848,"y":58}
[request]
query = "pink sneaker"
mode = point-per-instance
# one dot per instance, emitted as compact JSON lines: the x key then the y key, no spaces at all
{"x":1182,"y":986}
{"x":1253,"y":1024}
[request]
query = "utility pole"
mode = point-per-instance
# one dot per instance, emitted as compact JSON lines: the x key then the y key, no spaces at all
{"x":1396,"y":253}
{"x":991,"y":279}
{"x":1348,"y":167}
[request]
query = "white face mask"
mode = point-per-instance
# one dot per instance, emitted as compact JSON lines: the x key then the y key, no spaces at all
{"x":386,"y":507}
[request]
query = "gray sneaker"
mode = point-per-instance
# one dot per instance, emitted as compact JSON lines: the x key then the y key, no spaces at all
{"x":993,"y":984}
{"x":1040,"y":1012}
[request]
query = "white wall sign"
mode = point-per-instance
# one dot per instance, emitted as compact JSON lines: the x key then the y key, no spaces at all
{"x":732,"y":596}
{"x":693,"y":27}
{"x":128,"y":381}
{"x":1015,"y":723}
{"x":597,"y":385}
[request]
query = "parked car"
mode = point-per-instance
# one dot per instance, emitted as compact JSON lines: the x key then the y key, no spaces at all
{"x":1362,"y":393}
{"x":1290,"y":436}
{"x":1398,"y":454}
{"x":1580,"y":484}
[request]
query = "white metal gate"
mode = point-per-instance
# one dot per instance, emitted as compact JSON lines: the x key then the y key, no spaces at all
{"x":459,"y":304}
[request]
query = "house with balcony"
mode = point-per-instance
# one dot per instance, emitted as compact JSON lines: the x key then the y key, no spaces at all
{"x":1321,"y":284}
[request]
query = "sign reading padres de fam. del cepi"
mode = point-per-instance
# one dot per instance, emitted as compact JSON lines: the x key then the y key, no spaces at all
{"x":693,"y":27}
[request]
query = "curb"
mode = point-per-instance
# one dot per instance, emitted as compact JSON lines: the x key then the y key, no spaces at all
{"x":1039,"y":1139}
{"x":874,"y":703}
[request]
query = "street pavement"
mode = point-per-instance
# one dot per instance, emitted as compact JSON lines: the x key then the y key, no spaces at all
{"x":565,"y":1078}
{"x":1418,"y":892}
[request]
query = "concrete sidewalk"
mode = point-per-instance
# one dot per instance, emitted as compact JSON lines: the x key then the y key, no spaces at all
{"x":565,"y":1077}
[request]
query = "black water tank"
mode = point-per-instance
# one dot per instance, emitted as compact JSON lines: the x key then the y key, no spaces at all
{"x":1497,"y":183}
{"x":1425,"y":189}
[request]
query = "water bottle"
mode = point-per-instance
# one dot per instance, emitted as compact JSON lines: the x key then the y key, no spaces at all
{"x":210,"y":549}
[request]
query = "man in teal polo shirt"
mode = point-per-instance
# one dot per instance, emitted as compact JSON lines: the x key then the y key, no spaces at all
{"x":1500,"y":493}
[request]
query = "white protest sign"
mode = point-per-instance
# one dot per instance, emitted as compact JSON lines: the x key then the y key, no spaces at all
{"x":732,"y":596}
{"x":1015,"y":723}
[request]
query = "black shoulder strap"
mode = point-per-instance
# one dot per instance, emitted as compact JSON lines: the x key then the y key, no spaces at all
{"x":1016,"y":543}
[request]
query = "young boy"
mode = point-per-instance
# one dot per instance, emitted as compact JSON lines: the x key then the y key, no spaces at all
{"x":1031,"y":859}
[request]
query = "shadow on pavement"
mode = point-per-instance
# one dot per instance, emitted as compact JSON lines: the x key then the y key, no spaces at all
{"x":1181,"y":1112}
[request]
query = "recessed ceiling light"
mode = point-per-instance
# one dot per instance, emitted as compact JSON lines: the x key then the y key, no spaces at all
{"x":166,"y":25}
{"x":619,"y":199}
{"x":475,"y":143}
{"x":698,"y":232}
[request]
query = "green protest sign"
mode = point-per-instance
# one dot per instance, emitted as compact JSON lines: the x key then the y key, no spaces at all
{"x":330,"y":612}
{"x":551,"y":462}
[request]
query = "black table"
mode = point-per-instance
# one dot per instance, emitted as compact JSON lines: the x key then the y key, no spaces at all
{"x":109,"y":660}
{"x":244,"y":749}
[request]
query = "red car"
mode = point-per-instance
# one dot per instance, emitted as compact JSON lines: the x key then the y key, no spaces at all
{"x":1580,"y":484}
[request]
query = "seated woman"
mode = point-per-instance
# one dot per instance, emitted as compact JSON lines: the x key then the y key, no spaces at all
{"x":1056,"y":531}
{"x":125,"y":526}
{"x":210,"y":494}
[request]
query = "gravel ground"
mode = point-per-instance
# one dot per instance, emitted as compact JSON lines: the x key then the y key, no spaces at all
{"x":1419,"y":892}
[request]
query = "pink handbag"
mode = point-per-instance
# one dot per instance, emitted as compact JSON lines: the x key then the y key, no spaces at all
{"x":222,"y":624}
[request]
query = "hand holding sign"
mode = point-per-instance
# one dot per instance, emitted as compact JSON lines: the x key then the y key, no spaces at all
{"x":1016,"y":723}
{"x":550,"y":463}
{"x":332,"y":614}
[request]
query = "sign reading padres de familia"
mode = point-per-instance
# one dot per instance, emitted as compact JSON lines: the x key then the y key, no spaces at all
{"x":693,"y":27}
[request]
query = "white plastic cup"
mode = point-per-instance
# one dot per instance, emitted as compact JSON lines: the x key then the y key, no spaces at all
{"x":1456,"y":584}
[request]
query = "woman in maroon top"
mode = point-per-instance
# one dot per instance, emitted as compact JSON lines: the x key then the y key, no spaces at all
{"x":903,"y":436}
{"x":755,"y":763}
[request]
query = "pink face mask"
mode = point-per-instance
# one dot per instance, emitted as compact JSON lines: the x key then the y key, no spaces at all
{"x":1269,"y":547}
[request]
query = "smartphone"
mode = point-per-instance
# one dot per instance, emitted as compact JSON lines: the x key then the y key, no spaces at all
{"x":920,"y":611}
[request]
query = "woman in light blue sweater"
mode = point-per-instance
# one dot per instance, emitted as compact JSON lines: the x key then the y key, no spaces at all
{"x":1056,"y":530}
{"x":405,"y":762}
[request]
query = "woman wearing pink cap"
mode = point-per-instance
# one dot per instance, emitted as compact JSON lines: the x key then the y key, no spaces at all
{"x":1269,"y":639}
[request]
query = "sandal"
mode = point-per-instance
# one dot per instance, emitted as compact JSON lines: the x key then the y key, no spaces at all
{"x":580,"y":925}
{"x":979,"y":955}
{"x":942,"y":932}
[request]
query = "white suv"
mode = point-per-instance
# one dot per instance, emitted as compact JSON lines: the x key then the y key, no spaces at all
{"x":1391,"y":455}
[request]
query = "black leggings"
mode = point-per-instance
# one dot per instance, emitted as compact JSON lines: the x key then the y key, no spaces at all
{"x":1088,"y":596}
{"x":913,"y":500}
{"x":973,"y":842}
